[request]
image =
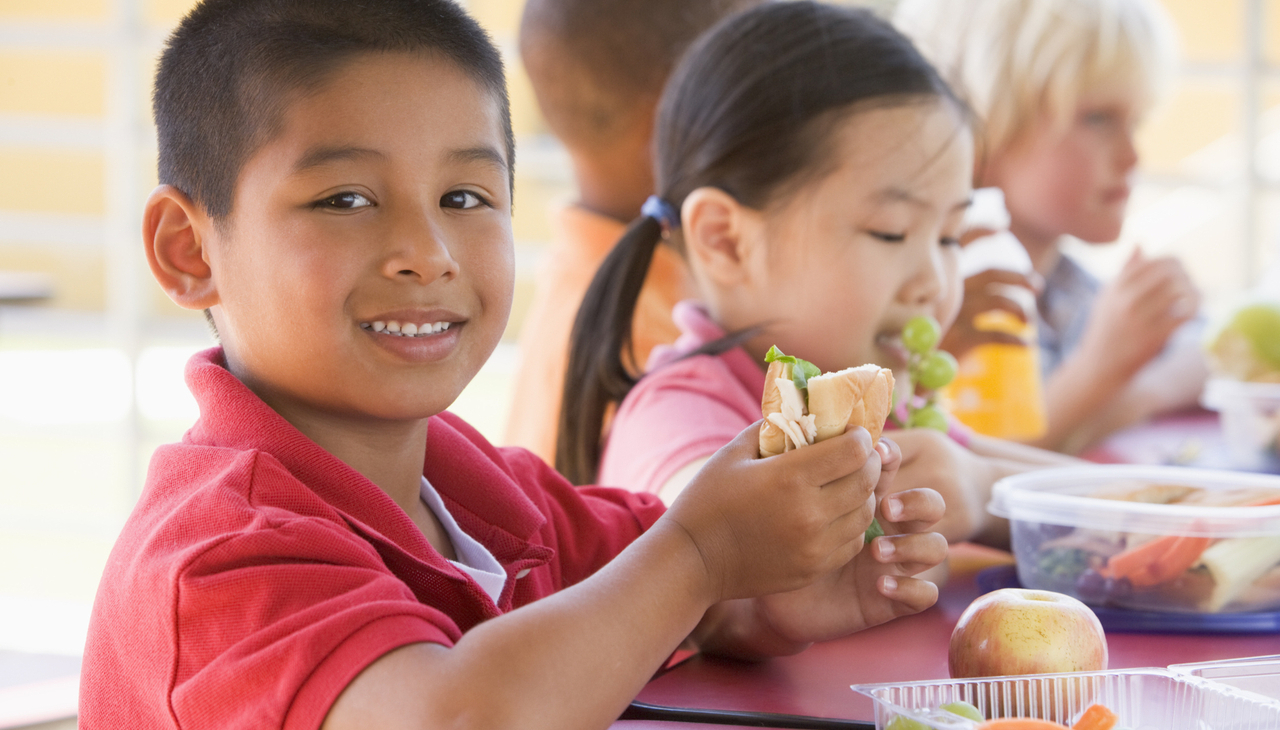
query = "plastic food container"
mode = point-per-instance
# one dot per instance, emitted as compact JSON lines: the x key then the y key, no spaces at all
{"x":1250,"y":416}
{"x":1143,"y":699}
{"x":1258,"y":674}
{"x":1083,"y":531}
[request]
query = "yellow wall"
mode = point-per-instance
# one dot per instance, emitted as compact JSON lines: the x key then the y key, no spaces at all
{"x":70,"y":84}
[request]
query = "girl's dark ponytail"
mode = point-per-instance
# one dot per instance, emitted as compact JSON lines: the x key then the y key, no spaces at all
{"x":600,"y":350}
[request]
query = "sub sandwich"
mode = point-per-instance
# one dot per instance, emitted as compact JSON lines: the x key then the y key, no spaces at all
{"x":802,"y":405}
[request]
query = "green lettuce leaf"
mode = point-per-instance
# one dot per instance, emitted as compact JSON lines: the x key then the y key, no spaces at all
{"x":802,"y":370}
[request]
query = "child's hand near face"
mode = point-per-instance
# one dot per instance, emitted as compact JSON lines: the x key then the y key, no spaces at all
{"x":1134,"y":316}
{"x":982,"y":293}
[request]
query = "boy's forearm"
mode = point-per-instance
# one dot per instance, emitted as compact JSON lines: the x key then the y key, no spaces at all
{"x":1076,"y":393}
{"x":571,"y":660}
{"x":1086,"y":403}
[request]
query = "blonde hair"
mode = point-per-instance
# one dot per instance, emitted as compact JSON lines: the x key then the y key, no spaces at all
{"x":1015,"y":60}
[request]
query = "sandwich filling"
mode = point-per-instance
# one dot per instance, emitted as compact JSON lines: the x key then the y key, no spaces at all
{"x":794,"y":420}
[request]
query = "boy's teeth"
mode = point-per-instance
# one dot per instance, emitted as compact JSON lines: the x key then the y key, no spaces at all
{"x":408,"y":329}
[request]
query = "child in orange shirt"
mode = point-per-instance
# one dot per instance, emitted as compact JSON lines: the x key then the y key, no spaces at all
{"x":597,"y":68}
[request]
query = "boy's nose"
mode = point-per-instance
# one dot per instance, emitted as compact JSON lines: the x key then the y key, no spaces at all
{"x":419,"y":252}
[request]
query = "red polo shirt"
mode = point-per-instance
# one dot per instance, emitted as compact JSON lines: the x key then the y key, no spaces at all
{"x":258,"y":574}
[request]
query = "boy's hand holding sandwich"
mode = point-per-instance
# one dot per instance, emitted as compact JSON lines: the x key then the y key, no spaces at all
{"x":806,"y":414}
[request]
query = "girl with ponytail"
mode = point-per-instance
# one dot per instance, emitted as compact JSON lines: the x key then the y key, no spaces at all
{"x":813,"y":169}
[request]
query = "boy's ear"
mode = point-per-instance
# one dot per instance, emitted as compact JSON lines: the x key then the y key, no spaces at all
{"x":718,"y":234}
{"x":176,"y":231}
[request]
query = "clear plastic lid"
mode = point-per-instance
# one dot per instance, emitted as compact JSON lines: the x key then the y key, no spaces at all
{"x":1221,"y":393}
{"x":1061,"y":496}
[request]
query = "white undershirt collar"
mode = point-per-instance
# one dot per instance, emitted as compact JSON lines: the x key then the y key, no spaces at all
{"x":474,"y":559}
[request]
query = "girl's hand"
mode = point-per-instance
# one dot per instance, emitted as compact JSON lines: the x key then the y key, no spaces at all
{"x":773,"y":525}
{"x":934,"y":460}
{"x":876,"y":586}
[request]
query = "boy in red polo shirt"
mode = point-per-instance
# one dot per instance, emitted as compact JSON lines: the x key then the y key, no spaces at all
{"x":326,"y":547}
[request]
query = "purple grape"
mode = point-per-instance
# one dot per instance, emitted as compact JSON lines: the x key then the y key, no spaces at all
{"x":1119,"y":589}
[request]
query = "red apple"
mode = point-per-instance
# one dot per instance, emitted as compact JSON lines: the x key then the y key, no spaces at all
{"x":1021,"y":631}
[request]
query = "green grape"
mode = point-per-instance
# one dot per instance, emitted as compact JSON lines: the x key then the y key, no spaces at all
{"x":921,"y":334}
{"x":902,"y":722}
{"x":936,"y":370}
{"x":963,"y":709}
{"x":930,"y":416}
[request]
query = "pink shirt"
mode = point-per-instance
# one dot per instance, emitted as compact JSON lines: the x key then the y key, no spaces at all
{"x":685,"y":408}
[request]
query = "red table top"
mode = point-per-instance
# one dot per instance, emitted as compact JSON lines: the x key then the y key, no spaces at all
{"x":816,"y":682}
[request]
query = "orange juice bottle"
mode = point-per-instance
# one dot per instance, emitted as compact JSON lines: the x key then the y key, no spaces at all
{"x":998,"y":390}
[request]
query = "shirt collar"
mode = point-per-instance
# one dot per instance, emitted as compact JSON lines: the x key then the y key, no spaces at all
{"x":465,"y":469}
{"x":698,"y":329}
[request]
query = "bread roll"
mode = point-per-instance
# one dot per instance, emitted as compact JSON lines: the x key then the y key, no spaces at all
{"x":860,"y":396}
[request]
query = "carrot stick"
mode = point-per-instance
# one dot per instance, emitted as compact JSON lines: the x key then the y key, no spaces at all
{"x":1020,"y":723}
{"x":1156,"y":561}
{"x":1096,"y":717}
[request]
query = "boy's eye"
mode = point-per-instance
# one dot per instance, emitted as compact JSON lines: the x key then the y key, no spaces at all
{"x":950,"y":240}
{"x":461,"y":199}
{"x":345,"y":201}
{"x":888,"y":237}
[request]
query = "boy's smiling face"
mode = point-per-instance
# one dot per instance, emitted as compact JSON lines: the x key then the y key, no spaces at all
{"x":383,"y":197}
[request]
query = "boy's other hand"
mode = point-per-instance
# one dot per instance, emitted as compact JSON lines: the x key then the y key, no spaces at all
{"x":1134,"y":316}
{"x":877,"y":585}
{"x":984,"y":292}
{"x":773,"y":525}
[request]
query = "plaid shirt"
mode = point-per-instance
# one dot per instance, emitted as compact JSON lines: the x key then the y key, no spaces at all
{"x":1064,"y":307}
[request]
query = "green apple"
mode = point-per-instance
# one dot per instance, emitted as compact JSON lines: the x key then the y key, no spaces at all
{"x":1248,"y":347}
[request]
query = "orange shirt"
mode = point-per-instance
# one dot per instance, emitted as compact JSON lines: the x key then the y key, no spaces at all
{"x":582,"y":240}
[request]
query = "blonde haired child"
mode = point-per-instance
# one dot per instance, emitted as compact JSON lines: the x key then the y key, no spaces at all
{"x":1059,"y":87}
{"x":814,"y":171}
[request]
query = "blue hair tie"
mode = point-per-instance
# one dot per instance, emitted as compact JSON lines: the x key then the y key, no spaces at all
{"x":667,"y":215}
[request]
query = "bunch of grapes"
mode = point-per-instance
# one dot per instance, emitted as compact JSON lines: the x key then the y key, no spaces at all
{"x":928,"y":369}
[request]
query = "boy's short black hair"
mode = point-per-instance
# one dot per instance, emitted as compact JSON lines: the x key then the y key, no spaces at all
{"x":231,"y":66}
